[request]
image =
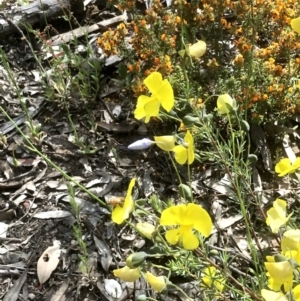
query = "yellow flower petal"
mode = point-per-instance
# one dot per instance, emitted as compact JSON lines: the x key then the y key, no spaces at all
{"x":282,"y":272}
{"x":184,"y":236}
{"x":157,"y":283}
{"x":276,"y":216}
{"x":120,"y":213}
{"x":127,"y":274}
{"x":198,"y":49}
{"x":153,"y":82}
{"x":296,"y":292}
{"x":295,"y":23}
{"x":166,"y":143}
{"x":139,"y":112}
{"x":189,"y":139}
{"x":185,"y":152}
{"x":165,"y":95}
{"x":290,"y":240}
{"x":147,"y":107}
{"x":209,"y":273}
{"x":283,"y":167}
{"x":173,"y":236}
{"x":213,"y":278}
{"x":199,"y":218}
{"x":272,"y":296}
{"x":173,"y":215}
{"x":189,"y":239}
{"x":189,"y":217}
{"x":225,"y":103}
{"x":181,"y":154}
{"x":162,"y":94}
{"x":151,"y":109}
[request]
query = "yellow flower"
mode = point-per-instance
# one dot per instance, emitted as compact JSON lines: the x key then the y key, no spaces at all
{"x":127,"y":274}
{"x":198,"y":49}
{"x":273,"y":296}
{"x":212,"y":278}
{"x":225,"y":103}
{"x":277,"y":215}
{"x":185,"y":152}
{"x":146,"y":229}
{"x":285,"y":166}
{"x":162,"y":94}
{"x":187,"y":217}
{"x":296,"y":292}
{"x":121,"y":212}
{"x":166,"y":143}
{"x":279,"y":273}
{"x":290,"y":240}
{"x":157,"y":283}
{"x":295,"y":23}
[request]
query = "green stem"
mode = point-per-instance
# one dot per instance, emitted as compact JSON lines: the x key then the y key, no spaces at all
{"x":175,"y":167}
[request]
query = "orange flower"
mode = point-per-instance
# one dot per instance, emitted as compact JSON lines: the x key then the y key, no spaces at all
{"x":147,"y":72}
{"x":271,"y":60}
{"x":177,"y":20}
{"x":239,"y":60}
{"x":157,"y":61}
{"x":255,"y":97}
{"x":213,"y":63}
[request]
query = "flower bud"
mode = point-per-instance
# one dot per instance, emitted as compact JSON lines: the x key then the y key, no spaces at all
{"x":136,"y":259}
{"x":198,"y":49}
{"x":146,"y":229}
{"x":214,"y":253}
{"x":245,"y":126}
{"x":252,"y":158}
{"x":189,"y":120}
{"x":225,"y":104}
{"x":141,"y":144}
{"x":279,"y":258}
{"x":185,"y":192}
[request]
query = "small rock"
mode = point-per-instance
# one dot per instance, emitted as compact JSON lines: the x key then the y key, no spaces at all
{"x":31,"y":296}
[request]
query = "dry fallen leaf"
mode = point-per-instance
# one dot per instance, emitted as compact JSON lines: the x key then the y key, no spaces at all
{"x":48,"y":262}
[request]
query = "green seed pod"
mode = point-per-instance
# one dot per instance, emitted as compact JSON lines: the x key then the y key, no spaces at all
{"x":185,"y":192}
{"x":279,"y":258}
{"x":141,"y":298}
{"x":245,"y":126}
{"x":136,"y":259}
{"x":252,"y":158}
{"x":214,"y":253}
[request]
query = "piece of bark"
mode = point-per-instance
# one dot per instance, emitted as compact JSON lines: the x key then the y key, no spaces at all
{"x":38,"y":11}
{"x":81,"y":31}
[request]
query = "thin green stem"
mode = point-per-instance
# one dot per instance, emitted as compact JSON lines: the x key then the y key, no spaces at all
{"x":179,"y":289}
{"x":31,"y":147}
{"x":175,"y":167}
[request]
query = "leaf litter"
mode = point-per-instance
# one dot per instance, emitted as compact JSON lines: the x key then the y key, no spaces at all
{"x":27,"y":230}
